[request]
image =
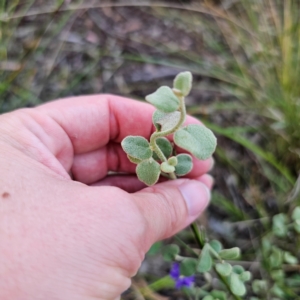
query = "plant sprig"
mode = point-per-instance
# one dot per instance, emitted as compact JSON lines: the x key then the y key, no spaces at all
{"x":158,"y":156}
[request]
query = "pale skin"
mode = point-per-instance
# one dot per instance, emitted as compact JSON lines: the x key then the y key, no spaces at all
{"x":69,"y":231}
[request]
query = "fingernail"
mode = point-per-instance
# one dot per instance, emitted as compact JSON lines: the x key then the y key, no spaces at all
{"x":196,"y":195}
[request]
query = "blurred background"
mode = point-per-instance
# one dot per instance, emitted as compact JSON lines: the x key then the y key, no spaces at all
{"x":245,"y":59}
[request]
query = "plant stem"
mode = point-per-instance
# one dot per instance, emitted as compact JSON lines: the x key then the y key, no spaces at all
{"x":162,"y":283}
{"x":158,"y":134}
{"x":197,"y":234}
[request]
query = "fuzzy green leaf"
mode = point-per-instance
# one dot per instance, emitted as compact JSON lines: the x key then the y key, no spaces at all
{"x":220,"y":295}
{"x":296,"y":213}
{"x":279,"y":225}
{"x":259,"y":286}
{"x":289,"y":258}
{"x":236,"y":285}
{"x":188,"y":266}
{"x":297,"y":226}
{"x":205,"y":261}
{"x":224,"y":269}
{"x":216,"y":245}
{"x":277,"y":275}
{"x":208,"y":297}
{"x":197,"y":139}
{"x":232,"y":253}
{"x":276,"y":257}
{"x":137,"y":147}
{"x":173,"y":161}
{"x":166,"y":168}
{"x":164,"y":99}
{"x":184,"y":165}
{"x":245,"y":276}
{"x":165,"y":121}
{"x":169,"y":252}
{"x":155,"y":248}
{"x":277,"y":291}
{"x":165,"y":146}
{"x":238,"y":269}
{"x":148,"y":171}
{"x":183,"y":82}
{"x":133,"y":159}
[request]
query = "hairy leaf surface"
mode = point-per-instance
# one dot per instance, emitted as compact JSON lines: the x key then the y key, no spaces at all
{"x":183,"y":82}
{"x":165,"y":146}
{"x":165,"y":167}
{"x":133,"y":159}
{"x":184,"y":164}
{"x":197,"y":139}
{"x":137,"y":147}
{"x":165,"y":121}
{"x":164,"y":99}
{"x":148,"y":171}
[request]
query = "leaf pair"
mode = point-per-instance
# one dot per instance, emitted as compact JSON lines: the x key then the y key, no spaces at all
{"x":148,"y":163}
{"x":165,"y":99}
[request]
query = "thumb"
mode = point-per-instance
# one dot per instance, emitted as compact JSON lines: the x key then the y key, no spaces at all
{"x":170,"y":206}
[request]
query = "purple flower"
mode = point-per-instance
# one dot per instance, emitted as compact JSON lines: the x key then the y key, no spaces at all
{"x":180,"y":281}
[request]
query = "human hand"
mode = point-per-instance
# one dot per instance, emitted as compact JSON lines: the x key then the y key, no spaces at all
{"x":82,"y":239}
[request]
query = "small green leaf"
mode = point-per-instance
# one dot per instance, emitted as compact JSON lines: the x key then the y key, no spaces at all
{"x":197,"y":139}
{"x":224,"y":269}
{"x":232,"y":253}
{"x":184,"y":165}
{"x":276,"y":257}
{"x":164,"y":99}
{"x":137,"y":147}
{"x":173,"y":161}
{"x":238,"y":269}
{"x":216,"y":245}
{"x":165,"y":167}
{"x":148,"y":171}
{"x":183,"y":82}
{"x":133,"y":159}
{"x":165,"y":146}
{"x":259,"y":286}
{"x":236,"y":285}
{"x":245,"y":276}
{"x":296,"y":213}
{"x":188,"y":266}
{"x":277,"y":291}
{"x":279,"y":225}
{"x":205,"y":261}
{"x":277,"y":275}
{"x":297,"y":226}
{"x":289,"y":258}
{"x":266,"y":245}
{"x":169,"y":252}
{"x":208,"y":297}
{"x":165,"y":121}
{"x":155,"y":248}
{"x":220,"y":295}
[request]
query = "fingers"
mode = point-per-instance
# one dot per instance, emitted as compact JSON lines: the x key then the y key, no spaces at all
{"x":128,"y":183}
{"x":170,"y":206}
{"x":92,"y":121}
{"x":95,"y":165}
